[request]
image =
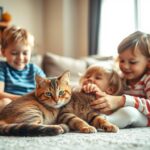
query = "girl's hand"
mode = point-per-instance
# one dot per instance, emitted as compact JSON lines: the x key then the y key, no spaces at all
{"x":90,"y":88}
{"x":106,"y":103}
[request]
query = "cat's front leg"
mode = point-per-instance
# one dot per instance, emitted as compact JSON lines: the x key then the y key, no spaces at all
{"x":76,"y":123}
{"x":101,"y":123}
{"x":83,"y":127}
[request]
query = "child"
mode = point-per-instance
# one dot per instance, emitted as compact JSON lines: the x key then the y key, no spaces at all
{"x":134,"y":62}
{"x":99,"y":79}
{"x":16,"y":73}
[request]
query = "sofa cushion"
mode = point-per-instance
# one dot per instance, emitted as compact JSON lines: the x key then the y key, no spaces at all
{"x":99,"y":60}
{"x":54,"y":65}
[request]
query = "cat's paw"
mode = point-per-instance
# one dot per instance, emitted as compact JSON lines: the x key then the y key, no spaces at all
{"x":56,"y":129}
{"x":65,"y":128}
{"x":89,"y":129}
{"x":110,"y":128}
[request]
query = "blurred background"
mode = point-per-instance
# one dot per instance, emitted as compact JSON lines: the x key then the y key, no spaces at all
{"x":77,"y":28}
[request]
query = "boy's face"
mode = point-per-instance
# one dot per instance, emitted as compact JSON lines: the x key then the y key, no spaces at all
{"x":97,"y":77}
{"x":17,"y":56}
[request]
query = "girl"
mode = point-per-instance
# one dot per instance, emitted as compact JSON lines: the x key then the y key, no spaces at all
{"x":98,"y":78}
{"x":132,"y":108}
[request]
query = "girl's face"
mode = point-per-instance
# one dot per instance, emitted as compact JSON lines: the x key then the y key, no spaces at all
{"x":133,"y":66}
{"x":17,"y":56}
{"x":97,"y":77}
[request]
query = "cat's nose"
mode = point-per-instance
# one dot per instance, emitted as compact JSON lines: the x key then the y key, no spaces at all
{"x":55,"y":99}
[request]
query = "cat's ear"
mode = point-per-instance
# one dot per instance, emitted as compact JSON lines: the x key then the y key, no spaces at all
{"x":40,"y":81}
{"x":65,"y":77}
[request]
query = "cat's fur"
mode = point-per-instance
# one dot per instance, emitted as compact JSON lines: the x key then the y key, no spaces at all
{"x":35,"y":114}
{"x":79,"y":115}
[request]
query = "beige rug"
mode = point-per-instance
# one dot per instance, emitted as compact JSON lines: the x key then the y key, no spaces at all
{"x":125,"y":139}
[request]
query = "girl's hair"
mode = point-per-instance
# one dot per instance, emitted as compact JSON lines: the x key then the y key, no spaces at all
{"x":137,"y":40}
{"x":15,"y":35}
{"x":115,"y":81}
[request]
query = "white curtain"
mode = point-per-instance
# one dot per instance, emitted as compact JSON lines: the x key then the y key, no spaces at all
{"x":119,"y":18}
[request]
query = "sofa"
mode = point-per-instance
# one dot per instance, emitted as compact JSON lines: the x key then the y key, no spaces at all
{"x":54,"y":65}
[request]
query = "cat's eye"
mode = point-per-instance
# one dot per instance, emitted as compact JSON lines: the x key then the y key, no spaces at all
{"x":48,"y":94}
{"x":61,"y":93}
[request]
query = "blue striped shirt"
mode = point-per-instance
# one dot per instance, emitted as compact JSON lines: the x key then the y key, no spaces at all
{"x":19,"y":82}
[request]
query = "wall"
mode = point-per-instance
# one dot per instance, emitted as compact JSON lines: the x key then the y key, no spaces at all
{"x":54,"y":26}
{"x":75,"y":27}
{"x":27,"y":14}
{"x":67,"y":27}
{"x":59,"y":26}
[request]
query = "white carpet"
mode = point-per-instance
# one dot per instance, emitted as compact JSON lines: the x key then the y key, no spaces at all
{"x":125,"y":139}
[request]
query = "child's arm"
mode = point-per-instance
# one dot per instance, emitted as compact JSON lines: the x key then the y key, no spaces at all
{"x":5,"y":94}
{"x":8,"y":95}
{"x":104,"y":102}
{"x":142,"y":104}
{"x":107,"y":103}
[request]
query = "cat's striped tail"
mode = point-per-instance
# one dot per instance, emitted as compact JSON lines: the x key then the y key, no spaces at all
{"x":32,"y":129}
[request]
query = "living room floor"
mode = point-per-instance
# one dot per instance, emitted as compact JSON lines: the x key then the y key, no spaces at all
{"x":125,"y":139}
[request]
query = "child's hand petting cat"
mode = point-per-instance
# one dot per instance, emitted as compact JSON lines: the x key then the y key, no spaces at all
{"x":90,"y":88}
{"x":106,"y":103}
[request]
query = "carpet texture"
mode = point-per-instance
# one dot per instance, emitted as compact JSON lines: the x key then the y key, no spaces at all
{"x":125,"y":139}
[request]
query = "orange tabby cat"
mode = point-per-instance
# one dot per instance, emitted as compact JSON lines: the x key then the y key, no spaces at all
{"x":35,"y":113}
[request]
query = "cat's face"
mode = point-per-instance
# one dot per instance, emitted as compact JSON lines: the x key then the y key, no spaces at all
{"x":54,"y":92}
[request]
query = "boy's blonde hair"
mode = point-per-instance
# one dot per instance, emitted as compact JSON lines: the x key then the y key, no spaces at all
{"x":137,"y":40}
{"x":114,"y":78}
{"x":16,"y":35}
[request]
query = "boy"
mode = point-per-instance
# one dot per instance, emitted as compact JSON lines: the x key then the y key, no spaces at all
{"x":16,"y":73}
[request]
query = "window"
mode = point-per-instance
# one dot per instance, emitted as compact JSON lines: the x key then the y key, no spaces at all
{"x":118,"y":19}
{"x":143,"y":15}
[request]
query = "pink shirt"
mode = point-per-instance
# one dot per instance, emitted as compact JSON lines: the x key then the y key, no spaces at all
{"x":138,"y":95}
